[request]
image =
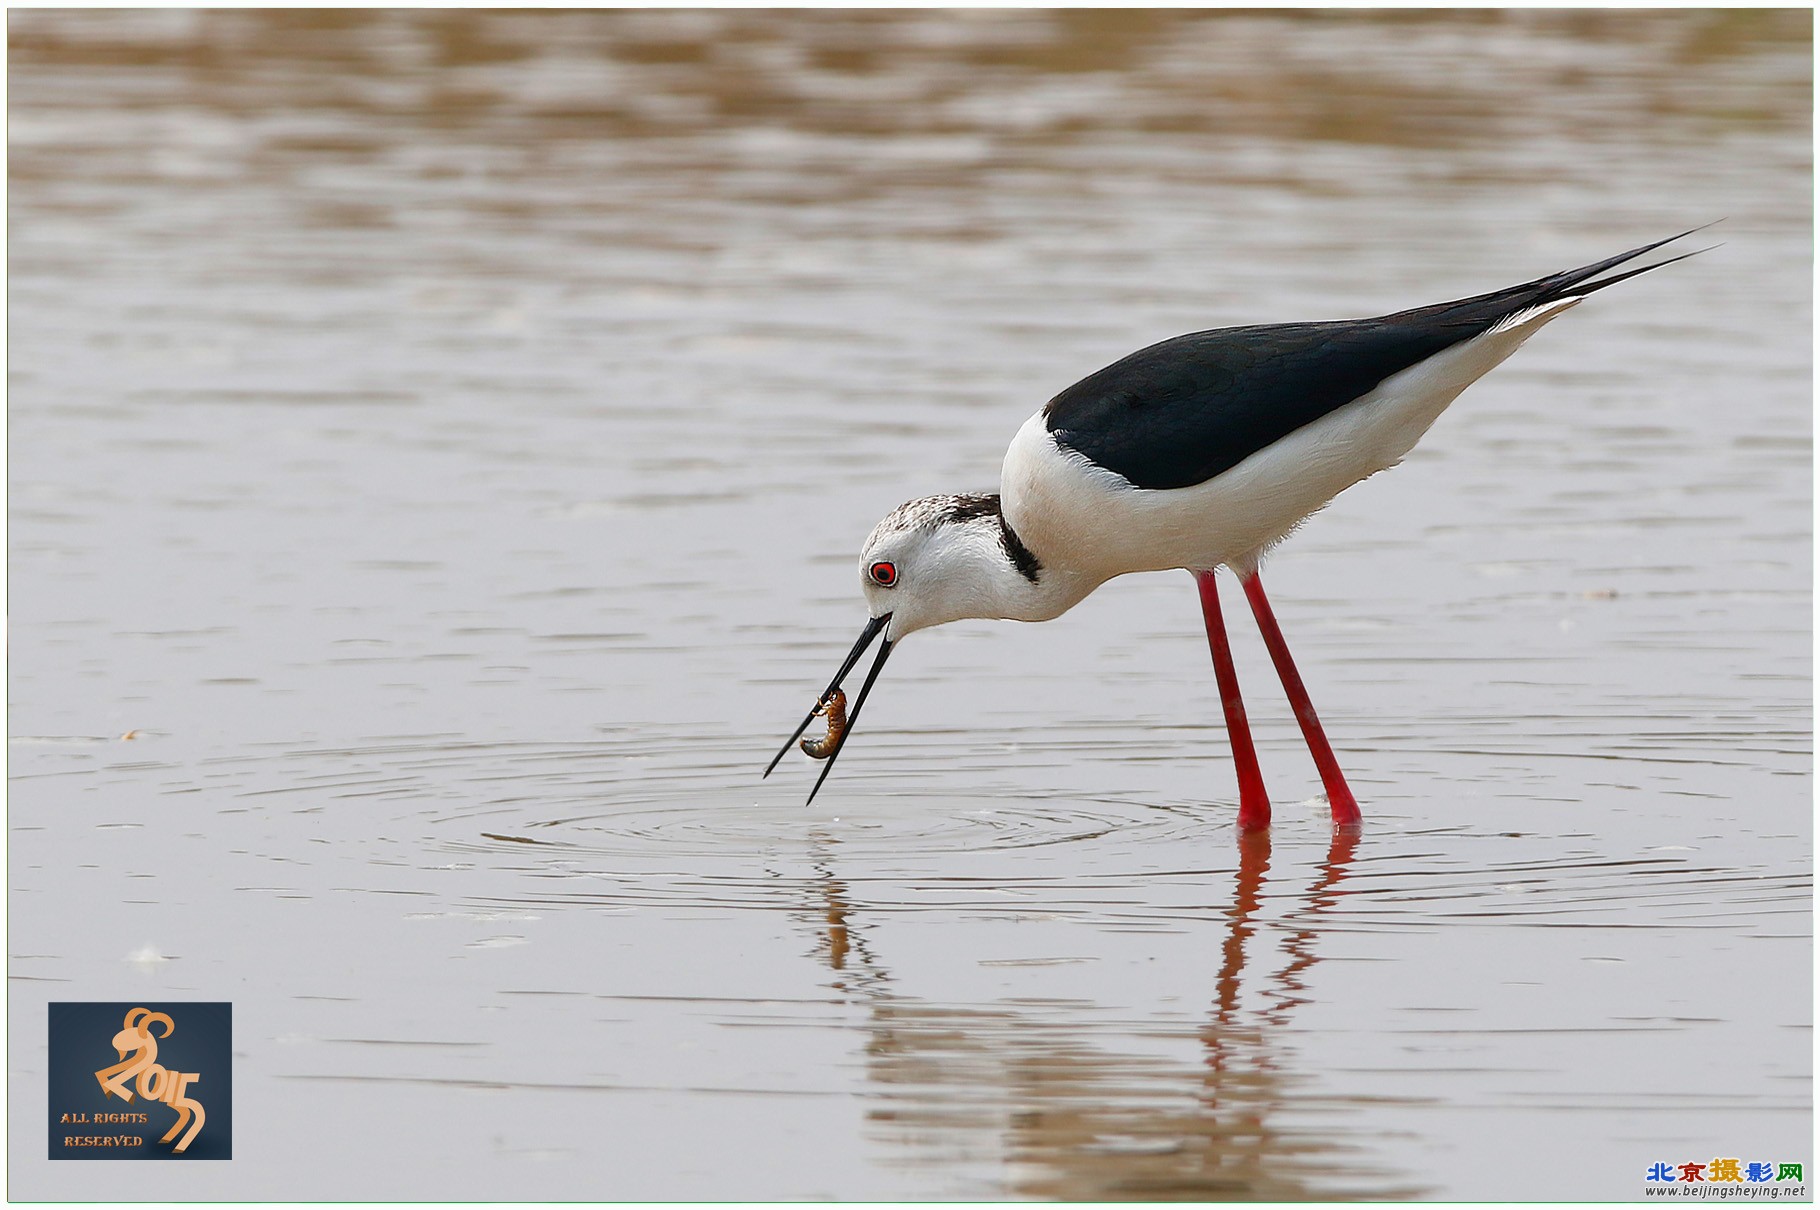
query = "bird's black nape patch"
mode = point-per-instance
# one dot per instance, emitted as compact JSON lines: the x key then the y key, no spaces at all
{"x":1021,"y":556}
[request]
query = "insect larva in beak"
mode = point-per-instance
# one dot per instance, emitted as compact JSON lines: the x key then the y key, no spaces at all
{"x":834,"y":706}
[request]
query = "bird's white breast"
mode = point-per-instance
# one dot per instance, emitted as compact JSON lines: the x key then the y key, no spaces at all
{"x":1078,"y":515}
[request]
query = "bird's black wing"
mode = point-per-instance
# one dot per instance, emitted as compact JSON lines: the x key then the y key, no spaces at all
{"x":1180,"y":412}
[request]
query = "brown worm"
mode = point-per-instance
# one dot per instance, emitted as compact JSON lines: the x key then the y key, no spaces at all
{"x":834,"y":706}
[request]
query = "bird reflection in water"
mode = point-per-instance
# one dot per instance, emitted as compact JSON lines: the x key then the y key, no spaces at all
{"x":837,"y":941}
{"x":1065,"y":1100}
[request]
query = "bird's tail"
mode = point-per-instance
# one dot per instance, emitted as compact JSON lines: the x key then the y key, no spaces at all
{"x":1568,"y":286}
{"x":1578,"y":283}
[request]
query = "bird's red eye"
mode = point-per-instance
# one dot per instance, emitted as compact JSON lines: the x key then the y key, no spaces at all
{"x":884,"y":574}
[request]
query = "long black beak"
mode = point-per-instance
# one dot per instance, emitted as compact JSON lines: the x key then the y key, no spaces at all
{"x":872,"y":631}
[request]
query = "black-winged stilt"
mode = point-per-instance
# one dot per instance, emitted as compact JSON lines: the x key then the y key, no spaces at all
{"x":1201,"y":452}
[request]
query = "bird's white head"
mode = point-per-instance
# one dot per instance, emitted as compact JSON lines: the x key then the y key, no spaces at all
{"x":943,"y":558}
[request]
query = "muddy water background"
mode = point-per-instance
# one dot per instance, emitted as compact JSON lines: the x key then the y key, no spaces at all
{"x":444,"y":441}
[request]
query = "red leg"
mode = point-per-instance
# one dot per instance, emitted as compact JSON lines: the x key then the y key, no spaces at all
{"x":1339,"y":796}
{"x":1254,"y":803}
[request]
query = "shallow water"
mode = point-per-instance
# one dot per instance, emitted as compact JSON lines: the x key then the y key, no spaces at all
{"x":442,"y":442}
